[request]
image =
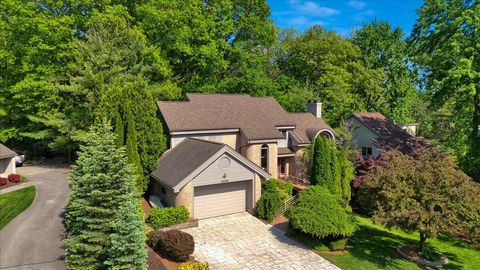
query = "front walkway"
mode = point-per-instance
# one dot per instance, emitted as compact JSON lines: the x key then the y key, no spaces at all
{"x":241,"y":241}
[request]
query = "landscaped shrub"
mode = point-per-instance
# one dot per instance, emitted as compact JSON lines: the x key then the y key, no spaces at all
{"x":274,"y":194}
{"x":3,"y":181}
{"x":14,"y":178}
{"x":338,"y":244}
{"x":164,"y":217}
{"x":319,"y":213}
{"x":194,"y":266}
{"x":268,"y":204}
{"x":275,"y":185}
{"x":175,"y":245}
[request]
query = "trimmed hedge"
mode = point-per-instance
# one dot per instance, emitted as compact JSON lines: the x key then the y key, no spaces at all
{"x":318,"y":212}
{"x":338,"y":244}
{"x":274,"y":194}
{"x":173,"y":244}
{"x":164,"y":217}
{"x":194,"y":266}
{"x":14,"y":178}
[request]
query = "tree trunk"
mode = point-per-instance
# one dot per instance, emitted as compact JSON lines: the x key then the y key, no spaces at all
{"x":423,"y":239}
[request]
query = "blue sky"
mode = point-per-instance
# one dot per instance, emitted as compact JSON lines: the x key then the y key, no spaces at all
{"x":343,"y":16}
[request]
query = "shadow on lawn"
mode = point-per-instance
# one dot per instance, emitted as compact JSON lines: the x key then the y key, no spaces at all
{"x":378,"y":247}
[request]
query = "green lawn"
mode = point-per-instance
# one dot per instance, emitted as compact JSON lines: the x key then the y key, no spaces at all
{"x":373,"y":247}
{"x":15,"y":202}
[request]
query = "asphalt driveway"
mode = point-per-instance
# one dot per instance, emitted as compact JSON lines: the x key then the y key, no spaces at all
{"x":33,"y":240}
{"x":241,"y":241}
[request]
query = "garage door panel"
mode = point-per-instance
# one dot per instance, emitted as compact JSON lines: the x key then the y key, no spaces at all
{"x":220,"y":199}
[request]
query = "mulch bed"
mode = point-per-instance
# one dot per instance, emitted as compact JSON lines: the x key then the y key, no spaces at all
{"x":11,"y":184}
{"x":156,"y":262}
{"x":412,"y":253}
{"x":146,"y":206}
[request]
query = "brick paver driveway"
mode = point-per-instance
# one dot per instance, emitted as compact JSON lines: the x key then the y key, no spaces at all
{"x":241,"y":241}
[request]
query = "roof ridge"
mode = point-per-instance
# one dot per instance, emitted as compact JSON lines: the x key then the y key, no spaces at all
{"x":201,"y":140}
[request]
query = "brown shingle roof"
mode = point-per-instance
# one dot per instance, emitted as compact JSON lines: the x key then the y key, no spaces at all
{"x":6,"y":152}
{"x":307,"y":127}
{"x":391,"y":136}
{"x":257,"y":117}
{"x":183,"y":159}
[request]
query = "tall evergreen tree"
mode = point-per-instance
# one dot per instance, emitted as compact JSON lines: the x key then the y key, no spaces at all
{"x":132,"y":151}
{"x":321,"y":173}
{"x":102,"y":183}
{"x":128,"y":240}
{"x":347,"y":175}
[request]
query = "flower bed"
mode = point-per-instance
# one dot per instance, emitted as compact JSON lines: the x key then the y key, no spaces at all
{"x":412,"y":253}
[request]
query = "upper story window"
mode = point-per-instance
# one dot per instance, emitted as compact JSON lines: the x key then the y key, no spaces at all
{"x":264,"y":157}
{"x":366,"y":151}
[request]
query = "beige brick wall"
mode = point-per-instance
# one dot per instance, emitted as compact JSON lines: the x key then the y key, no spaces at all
{"x":258,"y":187}
{"x":273,"y":159}
{"x":185,"y":197}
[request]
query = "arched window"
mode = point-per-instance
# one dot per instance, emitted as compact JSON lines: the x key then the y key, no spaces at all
{"x":264,"y":157}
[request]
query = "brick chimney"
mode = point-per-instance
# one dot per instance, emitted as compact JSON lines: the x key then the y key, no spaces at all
{"x":315,"y":108}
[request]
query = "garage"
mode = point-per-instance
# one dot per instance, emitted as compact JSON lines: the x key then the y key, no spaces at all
{"x":220,"y":199}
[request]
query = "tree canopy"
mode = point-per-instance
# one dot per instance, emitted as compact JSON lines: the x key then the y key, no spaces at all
{"x":426,"y":193}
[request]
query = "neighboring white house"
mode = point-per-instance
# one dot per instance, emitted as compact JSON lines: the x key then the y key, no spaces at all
{"x":373,"y":133}
{"x":7,"y":161}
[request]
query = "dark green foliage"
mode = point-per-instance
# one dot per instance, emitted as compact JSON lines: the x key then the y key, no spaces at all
{"x":347,"y":175}
{"x":268,"y":204}
{"x":175,"y":245}
{"x":132,"y":153}
{"x":102,"y":219}
{"x":164,"y":217}
{"x":119,"y":129}
{"x":274,"y":194}
{"x":318,"y":213}
{"x":338,"y":244}
{"x":322,"y":173}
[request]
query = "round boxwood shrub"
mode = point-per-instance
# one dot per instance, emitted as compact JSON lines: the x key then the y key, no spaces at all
{"x":194,"y":266}
{"x":164,"y":217}
{"x":173,"y":244}
{"x":338,"y":244}
{"x":318,"y":213}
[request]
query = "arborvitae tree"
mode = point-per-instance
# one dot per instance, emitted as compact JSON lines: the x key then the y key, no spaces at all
{"x":128,"y":241}
{"x":101,"y":181}
{"x":347,"y":175}
{"x":119,"y":130}
{"x":335,"y":185}
{"x":321,"y":164}
{"x":132,"y":152}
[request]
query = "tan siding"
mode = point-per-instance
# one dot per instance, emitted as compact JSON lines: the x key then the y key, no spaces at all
{"x":229,"y":139}
{"x":361,"y":136}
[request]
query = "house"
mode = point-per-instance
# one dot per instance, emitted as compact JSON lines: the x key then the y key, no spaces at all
{"x":7,"y":161}
{"x":373,"y":133}
{"x":222,"y":146}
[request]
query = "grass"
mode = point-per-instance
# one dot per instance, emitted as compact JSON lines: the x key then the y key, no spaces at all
{"x":373,"y":247}
{"x":14,"y":203}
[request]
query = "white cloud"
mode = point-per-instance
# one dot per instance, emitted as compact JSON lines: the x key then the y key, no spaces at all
{"x":356,"y":4}
{"x":309,"y":8}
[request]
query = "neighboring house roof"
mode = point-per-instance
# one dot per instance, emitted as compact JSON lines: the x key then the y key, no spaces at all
{"x":6,"y":152}
{"x":181,"y":164}
{"x":308,"y":126}
{"x":285,"y":151}
{"x":390,"y":135}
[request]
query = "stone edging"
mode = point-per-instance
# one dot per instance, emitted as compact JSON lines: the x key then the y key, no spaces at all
{"x":17,"y":187}
{"x":442,"y":261}
{"x":189,"y":224}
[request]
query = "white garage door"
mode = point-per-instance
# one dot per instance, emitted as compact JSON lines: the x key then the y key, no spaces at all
{"x":219,"y":199}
